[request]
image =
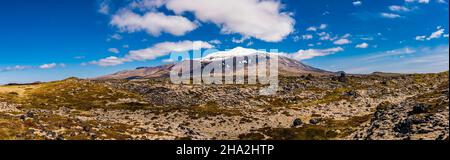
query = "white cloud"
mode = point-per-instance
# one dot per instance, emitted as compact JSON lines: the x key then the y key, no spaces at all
{"x":346,"y":35}
{"x":116,"y":36}
{"x":362,"y":45}
{"x":311,"y":53}
{"x":445,"y":35}
{"x":437,"y":34}
{"x":323,"y":26}
{"x":157,"y":50}
{"x":48,"y":66}
{"x":396,"y":8}
{"x":261,"y":19}
{"x":113,"y":50}
{"x":153,"y":23}
{"x":311,"y":29}
{"x":367,"y":38}
{"x":14,"y":68}
{"x":147,"y":4}
{"x":165,"y":48}
{"x":109,"y":61}
{"x":419,"y":1}
{"x":342,"y":41}
{"x":314,"y":28}
{"x":307,"y":37}
{"x":324,"y":36}
{"x":215,"y":41}
{"x":242,"y":40}
{"x":421,"y":38}
{"x":126,"y":46}
{"x":357,"y":3}
{"x":396,"y":52}
{"x":104,"y":7}
{"x":403,"y":60}
{"x":390,"y":15}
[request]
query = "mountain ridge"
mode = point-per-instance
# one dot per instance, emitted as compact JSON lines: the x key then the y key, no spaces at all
{"x":287,"y":66}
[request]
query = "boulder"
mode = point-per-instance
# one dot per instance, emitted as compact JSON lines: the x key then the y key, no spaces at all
{"x":419,"y":108}
{"x":314,"y":121}
{"x":297,"y":122}
{"x":404,"y":126}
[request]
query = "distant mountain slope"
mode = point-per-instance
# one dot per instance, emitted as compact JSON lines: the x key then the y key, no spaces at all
{"x":287,"y":66}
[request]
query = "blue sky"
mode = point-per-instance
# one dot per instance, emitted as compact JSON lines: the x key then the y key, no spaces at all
{"x":54,"y":39}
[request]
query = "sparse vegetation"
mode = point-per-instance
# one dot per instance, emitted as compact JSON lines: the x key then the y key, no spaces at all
{"x":75,"y":109}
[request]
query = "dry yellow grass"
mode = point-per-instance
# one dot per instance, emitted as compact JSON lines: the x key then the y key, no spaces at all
{"x":19,"y":89}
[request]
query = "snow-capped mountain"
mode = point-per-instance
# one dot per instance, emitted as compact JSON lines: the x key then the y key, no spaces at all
{"x":236,"y":52}
{"x":287,"y":66}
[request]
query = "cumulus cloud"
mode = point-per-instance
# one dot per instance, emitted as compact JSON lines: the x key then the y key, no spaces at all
{"x":311,"y":53}
{"x":165,"y":48}
{"x":154,"y":23}
{"x":147,"y":4}
{"x":151,"y":53}
{"x":48,"y":66}
{"x":261,"y":19}
{"x":362,"y":45}
{"x":109,"y":61}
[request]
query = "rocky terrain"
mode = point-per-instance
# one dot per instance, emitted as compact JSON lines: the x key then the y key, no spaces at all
{"x":378,"y":106}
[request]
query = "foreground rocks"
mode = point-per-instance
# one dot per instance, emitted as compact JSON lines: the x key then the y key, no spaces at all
{"x":361,"y":107}
{"x":423,"y":117}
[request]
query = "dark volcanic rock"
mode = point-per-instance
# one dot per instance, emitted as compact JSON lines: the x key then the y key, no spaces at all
{"x":297,"y":122}
{"x":404,"y":126}
{"x":314,"y":121}
{"x":419,"y":108}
